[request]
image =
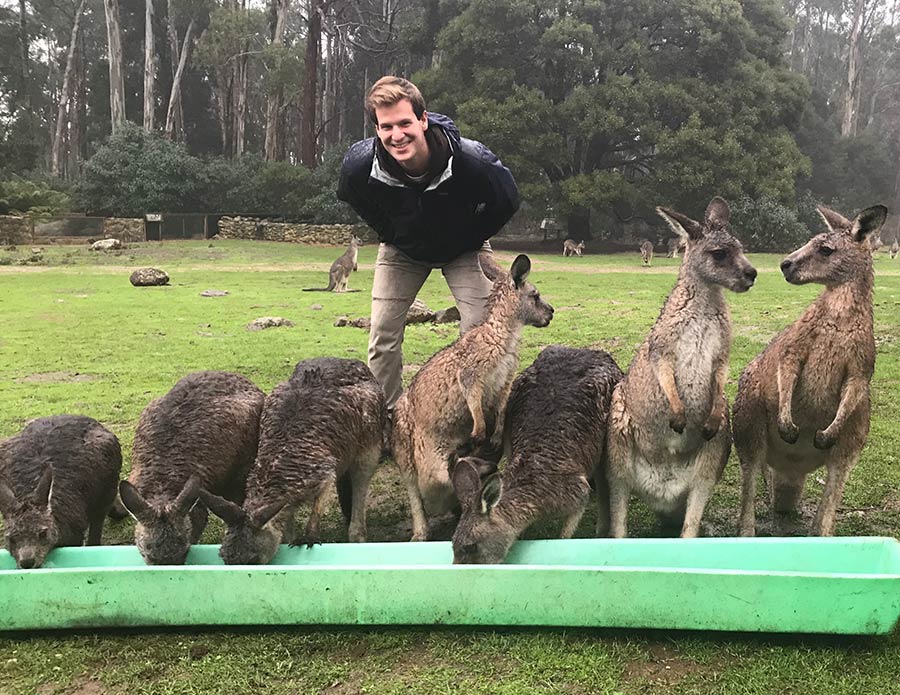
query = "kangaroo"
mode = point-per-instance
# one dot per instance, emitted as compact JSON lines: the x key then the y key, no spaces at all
{"x":895,"y":248}
{"x":647,"y":253}
{"x":339,"y":275}
{"x":202,"y":433}
{"x":556,"y":430}
{"x":61,"y":474}
{"x":668,"y":435}
{"x":324,"y":426}
{"x":459,"y":397}
{"x":674,"y":246}
{"x":570,"y":248}
{"x":804,"y":401}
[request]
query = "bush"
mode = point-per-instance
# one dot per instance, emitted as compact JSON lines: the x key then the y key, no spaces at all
{"x":765,"y":225}
{"x":20,"y":196}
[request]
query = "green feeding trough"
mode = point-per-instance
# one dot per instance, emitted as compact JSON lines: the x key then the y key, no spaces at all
{"x":813,"y":585}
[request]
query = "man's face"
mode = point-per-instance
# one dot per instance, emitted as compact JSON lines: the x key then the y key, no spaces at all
{"x":403,"y":135}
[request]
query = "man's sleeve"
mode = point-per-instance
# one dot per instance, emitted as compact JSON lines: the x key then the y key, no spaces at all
{"x":351,"y":191}
{"x":501,"y":195}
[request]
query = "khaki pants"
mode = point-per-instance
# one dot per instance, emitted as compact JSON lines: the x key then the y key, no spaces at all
{"x":398,"y":279}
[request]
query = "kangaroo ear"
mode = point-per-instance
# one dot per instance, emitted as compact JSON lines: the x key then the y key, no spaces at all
{"x":7,"y":499}
{"x":520,"y":269}
{"x":868,"y":221}
{"x":682,"y":225}
{"x":226,"y":510}
{"x":833,"y":220}
{"x":717,"y":212}
{"x":491,"y":492}
{"x":135,"y":504}
{"x":263,"y":516}
{"x":188,"y":496}
{"x":466,"y":482}
{"x":44,"y":487}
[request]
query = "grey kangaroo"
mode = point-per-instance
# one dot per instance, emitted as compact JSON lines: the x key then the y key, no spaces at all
{"x":556,"y":433}
{"x":669,"y":436}
{"x":339,"y":275}
{"x":803,"y":402}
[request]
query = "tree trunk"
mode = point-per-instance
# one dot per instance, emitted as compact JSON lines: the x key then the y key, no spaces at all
{"x":310,"y":86}
{"x":240,"y":105}
{"x":76,"y":114}
{"x":149,"y":68}
{"x":274,"y":141}
{"x":175,"y":96}
{"x":62,"y":112}
{"x":116,"y":75}
{"x":849,"y":116}
{"x":178,"y":121}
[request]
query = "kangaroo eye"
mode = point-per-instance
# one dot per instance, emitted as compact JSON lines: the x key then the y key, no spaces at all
{"x":719,"y":254}
{"x":826,"y":250}
{"x":42,"y":534}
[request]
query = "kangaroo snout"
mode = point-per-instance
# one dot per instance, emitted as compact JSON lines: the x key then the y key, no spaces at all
{"x":27,"y":560}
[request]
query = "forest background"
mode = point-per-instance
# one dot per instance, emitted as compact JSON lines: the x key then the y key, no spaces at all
{"x":602,"y":109}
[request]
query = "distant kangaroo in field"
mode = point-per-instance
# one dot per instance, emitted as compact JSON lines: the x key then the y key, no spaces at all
{"x":668,"y":432}
{"x":339,"y":275}
{"x":647,"y":253}
{"x":895,"y":248}
{"x":459,"y":397}
{"x":570,"y":248}
{"x":804,"y":401}
{"x":674,"y":246}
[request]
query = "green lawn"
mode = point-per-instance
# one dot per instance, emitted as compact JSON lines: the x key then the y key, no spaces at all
{"x":75,"y":337}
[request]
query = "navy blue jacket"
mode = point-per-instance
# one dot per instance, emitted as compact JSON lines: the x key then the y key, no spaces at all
{"x":458,"y":211}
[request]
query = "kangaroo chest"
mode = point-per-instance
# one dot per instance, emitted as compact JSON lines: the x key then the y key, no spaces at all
{"x":698,"y":350}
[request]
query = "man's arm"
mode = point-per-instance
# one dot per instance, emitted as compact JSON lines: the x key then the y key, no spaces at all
{"x":351,"y":191}
{"x":501,"y":193}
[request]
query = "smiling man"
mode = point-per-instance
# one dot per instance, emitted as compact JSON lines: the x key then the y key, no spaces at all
{"x":434,"y":198}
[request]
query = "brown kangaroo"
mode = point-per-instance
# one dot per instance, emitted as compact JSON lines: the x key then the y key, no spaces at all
{"x":339,"y":275}
{"x":570,"y":248}
{"x":458,"y":399}
{"x":647,"y":253}
{"x":668,"y":432}
{"x":804,"y":401}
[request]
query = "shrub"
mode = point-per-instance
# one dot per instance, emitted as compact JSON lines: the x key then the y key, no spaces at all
{"x":765,"y":225}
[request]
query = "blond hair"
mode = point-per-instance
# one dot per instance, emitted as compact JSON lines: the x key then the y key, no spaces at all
{"x":390,"y":90}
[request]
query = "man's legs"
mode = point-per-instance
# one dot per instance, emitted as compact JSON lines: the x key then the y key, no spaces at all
{"x":470,"y":287}
{"x":398,"y":279}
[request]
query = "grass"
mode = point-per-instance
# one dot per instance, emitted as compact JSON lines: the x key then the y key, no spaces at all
{"x":76,"y":337}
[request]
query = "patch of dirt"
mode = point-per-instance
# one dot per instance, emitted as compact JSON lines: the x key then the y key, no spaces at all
{"x":51,"y":377}
{"x":80,"y":686}
{"x":664,"y":667}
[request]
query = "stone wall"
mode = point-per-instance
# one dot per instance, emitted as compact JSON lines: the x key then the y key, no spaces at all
{"x":14,"y":230}
{"x":125,"y":229}
{"x":249,"y":228}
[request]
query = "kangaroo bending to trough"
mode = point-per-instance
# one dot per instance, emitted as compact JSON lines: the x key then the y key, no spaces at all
{"x":58,"y":479}
{"x":323,"y":427}
{"x":804,"y":401}
{"x":339,"y":275}
{"x":556,"y":432}
{"x":668,"y":435}
{"x":459,"y":397}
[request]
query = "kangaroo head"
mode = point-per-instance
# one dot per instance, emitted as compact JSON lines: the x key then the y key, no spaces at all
{"x":712,"y":253}
{"x":579,"y":247}
{"x":355,"y":241}
{"x":28,"y":523}
{"x":839,"y":255}
{"x":482,"y":535}
{"x":250,"y":539}
{"x":162,"y":532}
{"x":533,"y":311}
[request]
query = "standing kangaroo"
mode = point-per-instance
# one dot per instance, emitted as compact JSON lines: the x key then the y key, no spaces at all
{"x":339,"y":275}
{"x":668,"y":433}
{"x":674,"y":246}
{"x":647,"y":253}
{"x":570,"y":248}
{"x":895,"y":248}
{"x":459,"y":397}
{"x":804,"y":401}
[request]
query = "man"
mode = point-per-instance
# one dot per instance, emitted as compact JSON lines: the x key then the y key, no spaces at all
{"x":434,"y":199}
